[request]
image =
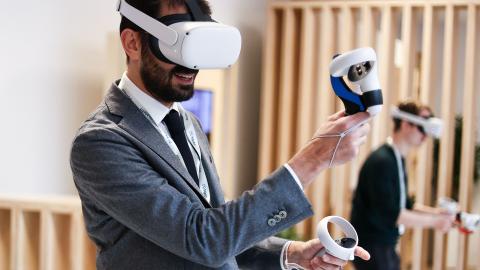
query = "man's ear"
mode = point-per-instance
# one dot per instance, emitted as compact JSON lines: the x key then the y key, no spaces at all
{"x":132,"y":45}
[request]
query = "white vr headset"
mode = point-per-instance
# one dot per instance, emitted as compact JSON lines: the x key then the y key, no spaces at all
{"x":191,"y":40}
{"x":431,"y":126}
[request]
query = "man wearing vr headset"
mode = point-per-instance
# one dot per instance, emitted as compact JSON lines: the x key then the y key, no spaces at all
{"x":381,"y":207}
{"x":150,"y":192}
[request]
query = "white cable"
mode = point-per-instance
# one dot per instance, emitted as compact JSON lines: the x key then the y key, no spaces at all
{"x":341,"y":135}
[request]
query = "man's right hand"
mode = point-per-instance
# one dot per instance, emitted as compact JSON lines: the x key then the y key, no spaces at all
{"x":317,"y":154}
{"x":443,"y":222}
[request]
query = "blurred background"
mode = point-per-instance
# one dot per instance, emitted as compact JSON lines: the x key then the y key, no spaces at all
{"x":59,"y":57}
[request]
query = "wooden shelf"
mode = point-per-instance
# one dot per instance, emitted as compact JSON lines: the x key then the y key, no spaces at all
{"x":44,"y":233}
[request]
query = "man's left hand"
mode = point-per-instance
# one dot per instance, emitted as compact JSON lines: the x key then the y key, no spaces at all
{"x":303,"y":254}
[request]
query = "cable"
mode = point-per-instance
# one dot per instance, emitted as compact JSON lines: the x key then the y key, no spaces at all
{"x":341,"y":135}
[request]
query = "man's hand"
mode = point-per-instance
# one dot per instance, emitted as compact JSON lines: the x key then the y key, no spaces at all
{"x":443,"y":222}
{"x":317,"y":154}
{"x":303,"y":254}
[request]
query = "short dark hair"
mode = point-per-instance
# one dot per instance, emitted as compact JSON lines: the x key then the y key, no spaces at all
{"x":409,"y":107}
{"x":152,"y":8}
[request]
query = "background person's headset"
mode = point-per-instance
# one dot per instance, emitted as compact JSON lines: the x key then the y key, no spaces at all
{"x":431,"y":126}
{"x":193,"y":40}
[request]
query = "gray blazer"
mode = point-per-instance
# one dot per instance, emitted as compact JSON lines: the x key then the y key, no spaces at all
{"x":144,"y":211}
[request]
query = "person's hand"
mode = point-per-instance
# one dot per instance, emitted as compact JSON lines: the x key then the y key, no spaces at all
{"x":317,"y":154}
{"x":443,"y":222}
{"x":349,"y":146}
{"x":303,"y":254}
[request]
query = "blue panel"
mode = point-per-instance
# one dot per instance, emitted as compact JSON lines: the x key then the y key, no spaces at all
{"x":201,"y":106}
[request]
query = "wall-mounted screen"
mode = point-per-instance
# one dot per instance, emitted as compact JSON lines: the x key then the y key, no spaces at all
{"x":201,"y":106}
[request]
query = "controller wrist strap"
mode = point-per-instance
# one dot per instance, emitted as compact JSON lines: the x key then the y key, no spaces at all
{"x":341,"y":135}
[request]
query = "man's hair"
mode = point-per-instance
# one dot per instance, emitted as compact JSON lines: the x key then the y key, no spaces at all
{"x":152,"y":8}
{"x":409,"y":107}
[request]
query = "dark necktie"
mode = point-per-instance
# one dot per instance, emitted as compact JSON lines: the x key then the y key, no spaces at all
{"x":177,"y":131}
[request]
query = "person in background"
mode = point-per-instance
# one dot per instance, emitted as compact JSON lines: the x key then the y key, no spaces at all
{"x":150,"y":192}
{"x":381,"y":208}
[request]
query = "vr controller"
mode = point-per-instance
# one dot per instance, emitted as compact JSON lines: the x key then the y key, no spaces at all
{"x":467,"y":223}
{"x":431,"y":126}
{"x":343,"y":248}
{"x":360,"y":68}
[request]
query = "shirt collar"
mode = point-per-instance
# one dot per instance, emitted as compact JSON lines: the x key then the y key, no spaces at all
{"x":153,"y":107}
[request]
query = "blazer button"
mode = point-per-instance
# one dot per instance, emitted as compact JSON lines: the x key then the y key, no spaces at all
{"x":282,"y":214}
{"x":277,"y":218}
{"x":272,"y":222}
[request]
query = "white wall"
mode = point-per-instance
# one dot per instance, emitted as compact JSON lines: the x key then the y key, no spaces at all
{"x":250,"y":17}
{"x":53,"y":71}
{"x":52,"y":55}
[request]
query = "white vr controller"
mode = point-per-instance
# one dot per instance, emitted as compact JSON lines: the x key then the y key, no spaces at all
{"x":343,"y":248}
{"x":360,"y":68}
{"x":431,"y":126}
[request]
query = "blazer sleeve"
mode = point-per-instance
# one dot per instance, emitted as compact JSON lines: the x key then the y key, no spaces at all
{"x":110,"y":171}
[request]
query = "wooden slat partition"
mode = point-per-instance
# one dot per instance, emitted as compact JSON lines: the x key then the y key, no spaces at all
{"x":426,"y":36}
{"x":44,"y":234}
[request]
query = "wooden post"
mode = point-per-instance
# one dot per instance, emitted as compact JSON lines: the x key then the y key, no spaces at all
{"x":305,"y":92}
{"x":468,"y":132}
{"x":267,"y":139}
{"x":286,"y":136}
{"x":446,"y":142}
{"x":324,"y":106}
{"x":424,"y":165}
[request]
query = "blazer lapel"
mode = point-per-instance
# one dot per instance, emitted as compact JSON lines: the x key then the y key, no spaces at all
{"x":136,"y":123}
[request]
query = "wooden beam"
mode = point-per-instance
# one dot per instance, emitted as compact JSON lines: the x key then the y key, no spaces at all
{"x":287,"y":93}
{"x":306,"y":88}
{"x":388,"y":29}
{"x":447,"y":140}
{"x":304,"y":121}
{"x":467,"y":155}
{"x":424,"y":166}
{"x":368,"y":38}
{"x":408,"y":51}
{"x":324,"y":106}
{"x":267,"y":137}
{"x":378,"y":3}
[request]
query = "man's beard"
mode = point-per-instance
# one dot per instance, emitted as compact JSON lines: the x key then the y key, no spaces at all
{"x":158,"y":81}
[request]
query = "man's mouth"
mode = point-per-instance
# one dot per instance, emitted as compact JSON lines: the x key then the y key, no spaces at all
{"x":185,"y":78}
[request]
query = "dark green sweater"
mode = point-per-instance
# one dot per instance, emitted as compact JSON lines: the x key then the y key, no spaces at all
{"x":376,"y":203}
